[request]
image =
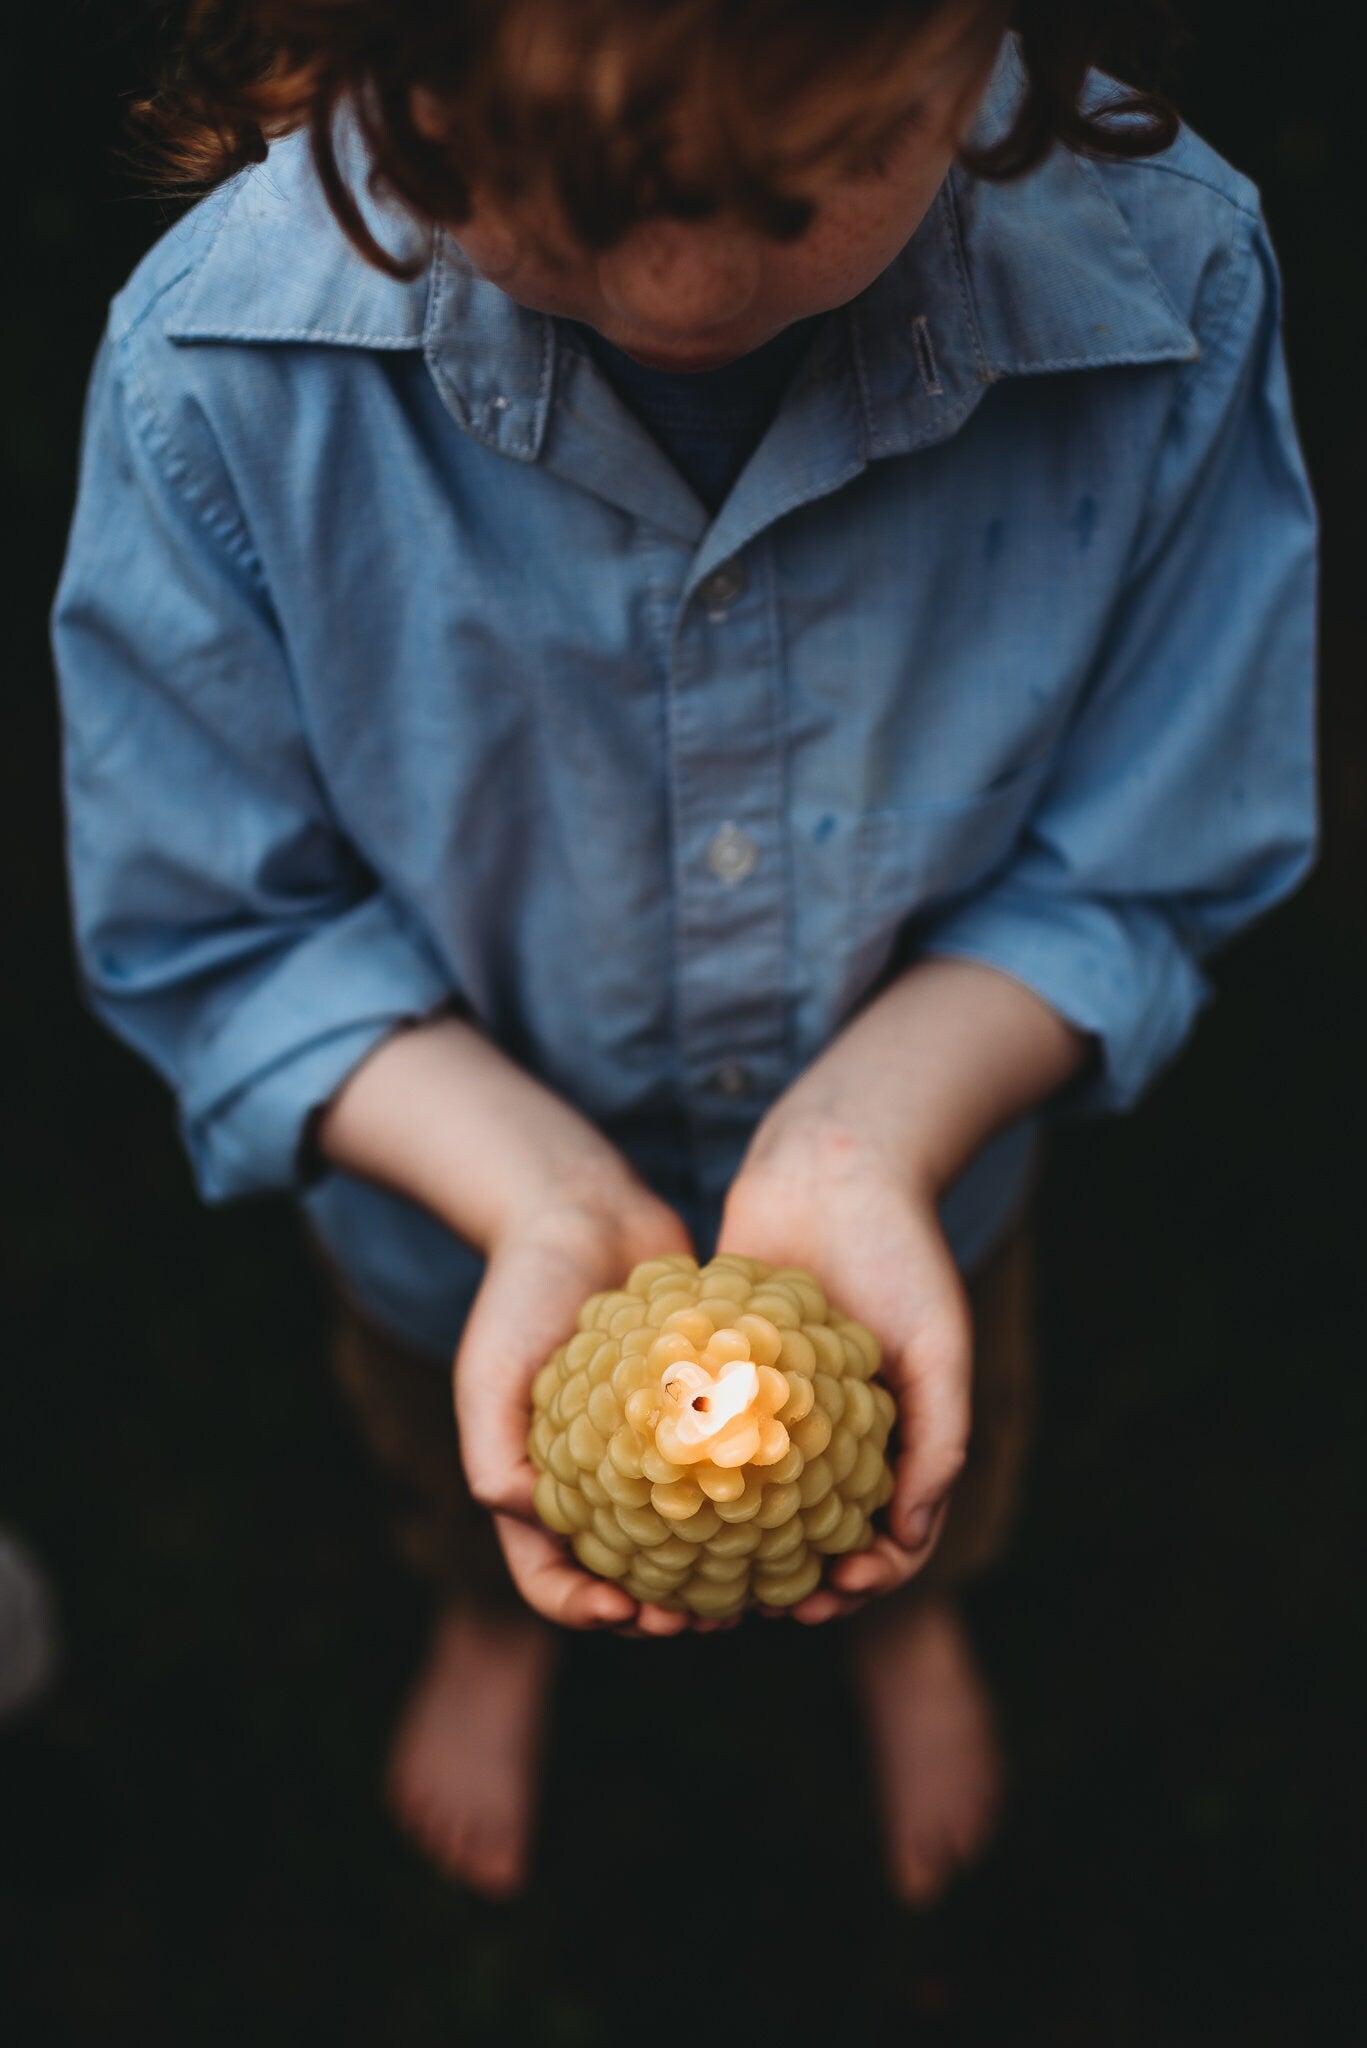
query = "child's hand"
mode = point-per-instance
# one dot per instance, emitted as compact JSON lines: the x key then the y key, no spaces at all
{"x":442,"y":1114}
{"x":819,"y":1197}
{"x":576,"y":1241}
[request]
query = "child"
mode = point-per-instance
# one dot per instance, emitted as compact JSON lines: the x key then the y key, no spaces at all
{"x":661,"y":674}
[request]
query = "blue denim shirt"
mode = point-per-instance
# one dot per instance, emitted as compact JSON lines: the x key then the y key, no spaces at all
{"x":400,"y":668}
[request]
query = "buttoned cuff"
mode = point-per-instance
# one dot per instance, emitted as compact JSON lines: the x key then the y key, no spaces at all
{"x":1117,"y":972}
{"x":281,"y":1051}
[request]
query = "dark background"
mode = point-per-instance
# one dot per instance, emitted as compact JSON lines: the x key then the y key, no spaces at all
{"x":192,"y":1847}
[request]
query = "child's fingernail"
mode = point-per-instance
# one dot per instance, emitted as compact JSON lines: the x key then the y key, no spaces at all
{"x":918,"y":1527}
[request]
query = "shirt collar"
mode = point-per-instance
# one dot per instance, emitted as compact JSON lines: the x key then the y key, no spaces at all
{"x":1041,"y":274}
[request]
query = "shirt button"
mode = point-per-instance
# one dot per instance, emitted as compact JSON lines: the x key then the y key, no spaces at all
{"x":732,"y":1078}
{"x":732,"y":853}
{"x":720,"y":590}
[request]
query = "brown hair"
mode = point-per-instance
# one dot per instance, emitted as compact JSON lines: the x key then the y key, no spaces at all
{"x":583,"y":96}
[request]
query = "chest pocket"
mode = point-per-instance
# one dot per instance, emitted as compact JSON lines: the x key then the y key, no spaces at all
{"x":911,"y":858}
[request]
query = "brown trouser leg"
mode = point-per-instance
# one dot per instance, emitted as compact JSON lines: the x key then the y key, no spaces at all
{"x":402,"y":1401}
{"x":401,"y":1398}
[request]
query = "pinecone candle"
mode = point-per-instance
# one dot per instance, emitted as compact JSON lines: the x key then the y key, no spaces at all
{"x":709,"y":1435}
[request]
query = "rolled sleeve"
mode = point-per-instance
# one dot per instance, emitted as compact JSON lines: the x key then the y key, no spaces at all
{"x":292,"y":1039}
{"x":1182,"y":804}
{"x":225,"y":926}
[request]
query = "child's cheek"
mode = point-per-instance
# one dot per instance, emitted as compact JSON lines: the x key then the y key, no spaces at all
{"x":859,"y":229}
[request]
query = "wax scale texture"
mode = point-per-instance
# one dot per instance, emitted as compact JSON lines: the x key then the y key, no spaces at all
{"x":709,"y":1436}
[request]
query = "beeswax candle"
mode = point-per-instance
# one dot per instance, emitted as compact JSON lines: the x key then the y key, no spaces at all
{"x":708,"y":1436}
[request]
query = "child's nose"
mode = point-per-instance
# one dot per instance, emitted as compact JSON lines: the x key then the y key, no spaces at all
{"x":679,"y":279}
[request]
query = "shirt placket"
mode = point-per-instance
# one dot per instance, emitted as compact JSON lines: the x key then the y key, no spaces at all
{"x":729,"y":855}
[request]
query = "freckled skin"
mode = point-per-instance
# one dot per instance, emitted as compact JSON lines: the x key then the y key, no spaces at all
{"x":688,"y":295}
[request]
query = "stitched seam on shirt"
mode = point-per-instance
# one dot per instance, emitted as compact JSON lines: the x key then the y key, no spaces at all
{"x":436,"y":293}
{"x":1135,"y":359}
{"x":678,"y":883}
{"x":550,"y":341}
{"x":119,"y":334}
{"x":435,"y":301}
{"x":1057,"y":363}
{"x":854,"y":342}
{"x":1143,"y":542}
{"x":660,"y":591}
{"x":800,"y":495}
{"x":1190,"y":375}
{"x":1249,"y":212}
{"x":1094,"y":178}
{"x":523,"y":447}
{"x":946,"y":423}
{"x":1226,"y":305}
{"x":215,"y":1106}
{"x":956,"y":241}
{"x":228,"y":528}
{"x":782,"y":728}
{"x":319,"y":334}
{"x":195,"y":264}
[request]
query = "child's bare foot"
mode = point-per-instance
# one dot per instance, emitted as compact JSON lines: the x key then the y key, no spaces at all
{"x":938,"y":1765}
{"x":466,"y":1757}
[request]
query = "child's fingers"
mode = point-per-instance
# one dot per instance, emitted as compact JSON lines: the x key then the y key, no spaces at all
{"x":828,"y":1603}
{"x":555,"y":1587}
{"x":492,"y":1419}
{"x":886,"y":1564}
{"x":931,"y":1378}
{"x":663,"y":1621}
{"x":525,"y":1306}
{"x":510,"y":1495}
{"x":652,"y":1622}
{"x":659,"y":1621}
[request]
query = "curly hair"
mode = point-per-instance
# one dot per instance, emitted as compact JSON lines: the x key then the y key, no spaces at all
{"x":584,"y":98}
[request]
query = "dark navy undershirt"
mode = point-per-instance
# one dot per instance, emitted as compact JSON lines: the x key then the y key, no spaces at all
{"x":709,"y":422}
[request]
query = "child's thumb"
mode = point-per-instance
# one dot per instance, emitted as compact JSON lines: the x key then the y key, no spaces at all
{"x":493,"y":1448}
{"x":493,"y":1411}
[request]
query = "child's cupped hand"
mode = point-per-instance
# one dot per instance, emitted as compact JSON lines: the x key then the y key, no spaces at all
{"x":839,"y":1206}
{"x":574,"y":1242}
